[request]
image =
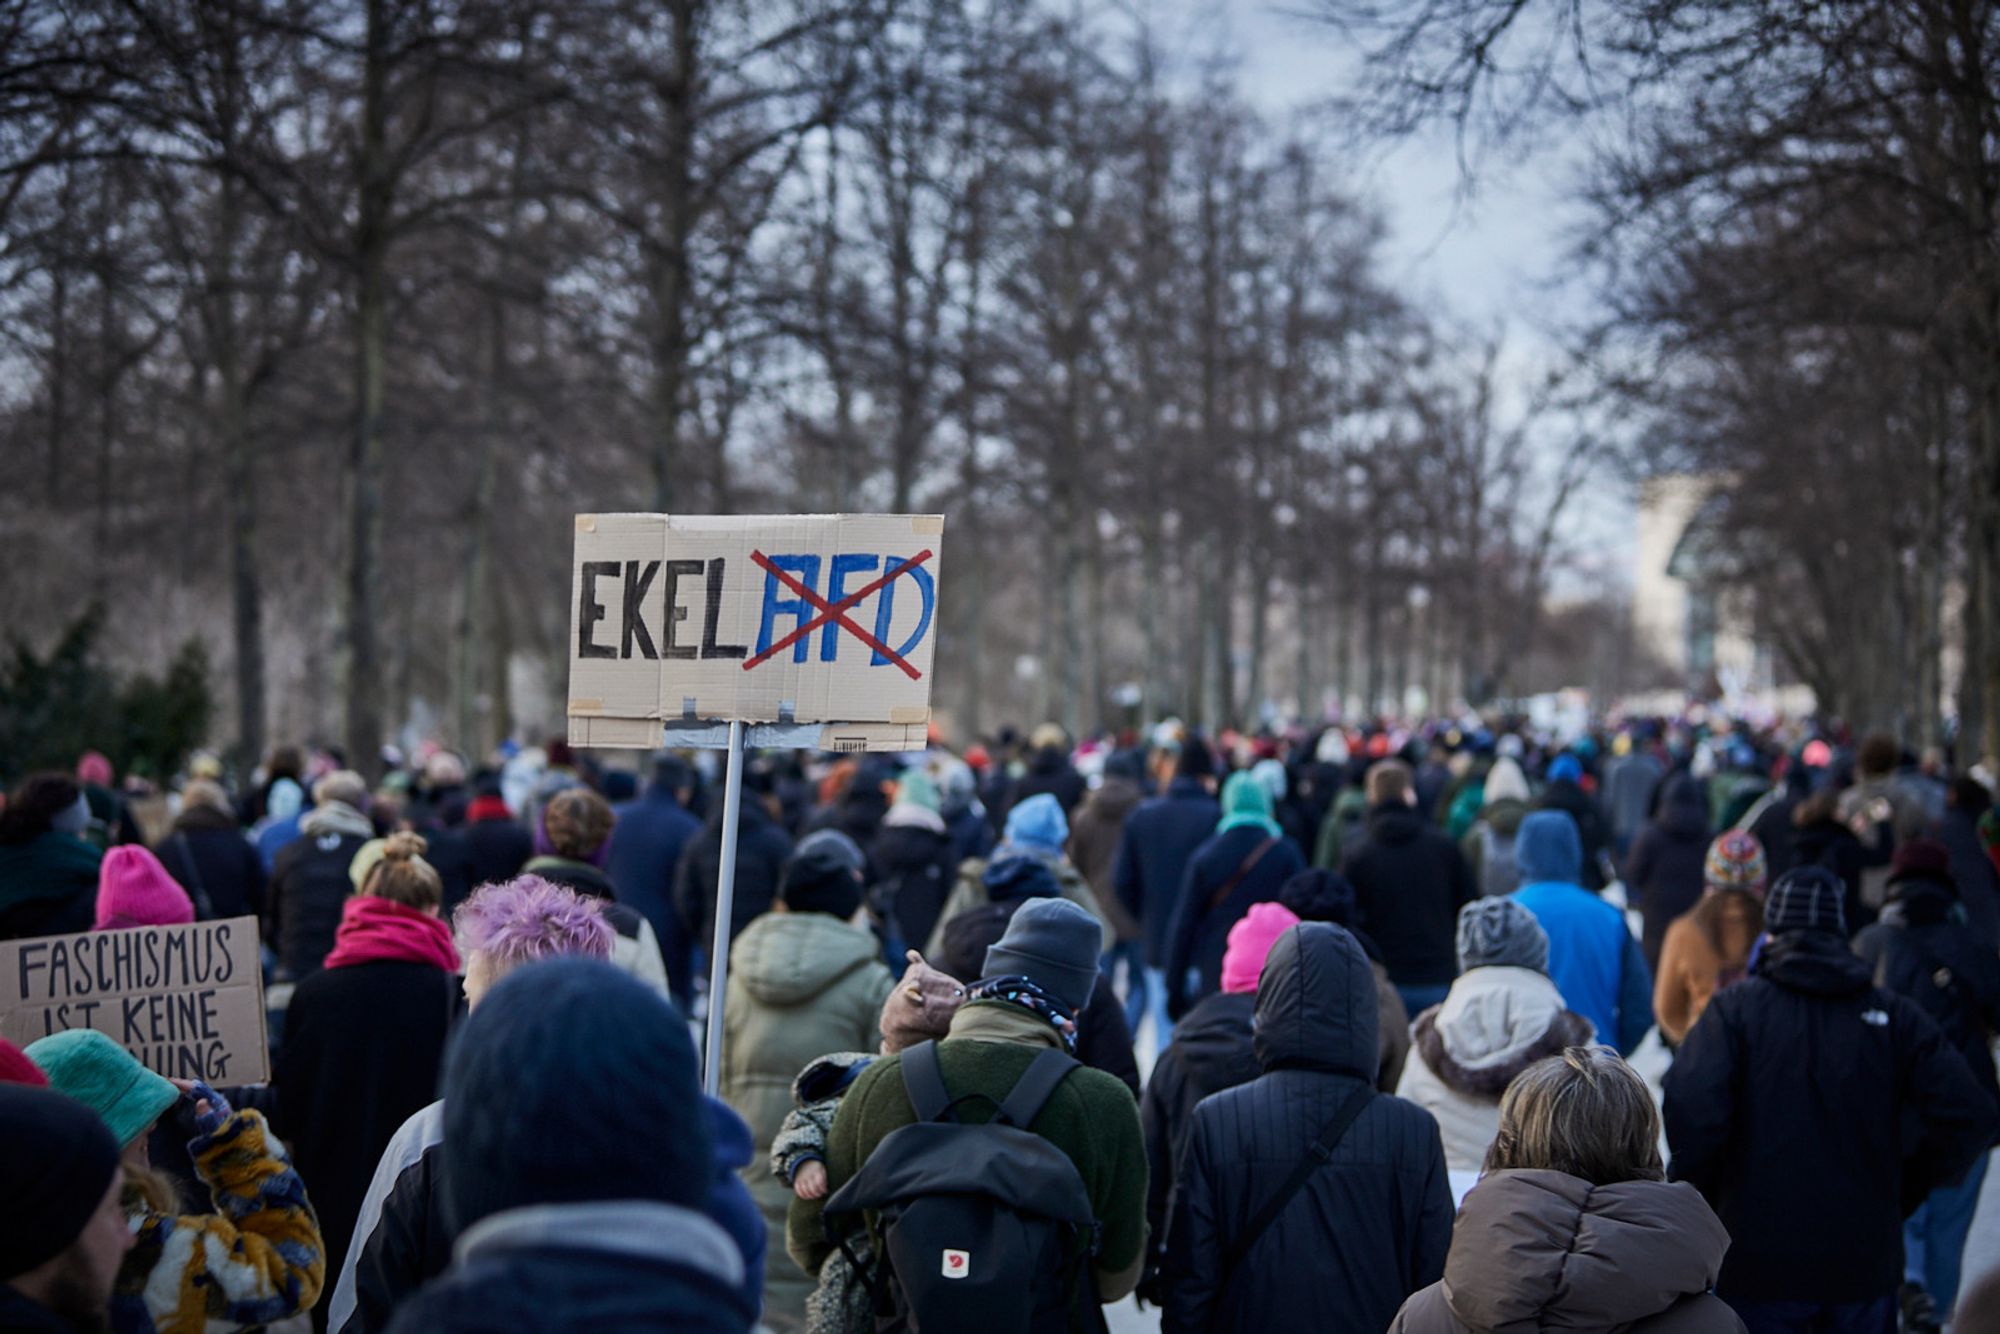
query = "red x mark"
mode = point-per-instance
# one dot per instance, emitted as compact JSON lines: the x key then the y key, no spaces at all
{"x":836,"y":611}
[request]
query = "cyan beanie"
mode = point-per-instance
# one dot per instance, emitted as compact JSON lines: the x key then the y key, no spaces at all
{"x":1053,"y":943}
{"x":572,"y":1082}
{"x":1038,"y":822}
{"x":1500,"y":933}
{"x":1547,"y":847}
{"x":103,"y":1076}
{"x":59,"y":1163}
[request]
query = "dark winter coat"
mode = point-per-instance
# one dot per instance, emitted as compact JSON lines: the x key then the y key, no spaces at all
{"x":1973,"y":871}
{"x":1545,"y":1250}
{"x":1630,"y":784}
{"x":646,"y":847}
{"x":1212,"y":1050}
{"x":497,"y":849}
{"x":362,"y":1051}
{"x":1094,"y":837}
{"x":309,"y":886}
{"x":1409,"y":882}
{"x":1815,"y":1109}
{"x":1200,"y":932}
{"x":1103,"y":1038}
{"x":1663,"y":872}
{"x":915,"y":867}
{"x":1050,"y":771}
{"x":1918,"y":950}
{"x":620,"y":1266}
{"x":217,"y":866}
{"x":1831,"y":844}
{"x":1773,"y":829}
{"x":972,"y":834}
{"x":1591,"y":826}
{"x":48,"y":886}
{"x":1158,"y":842}
{"x":761,"y":852}
{"x":1372,"y":1223}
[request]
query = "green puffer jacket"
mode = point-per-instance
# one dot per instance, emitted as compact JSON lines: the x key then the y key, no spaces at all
{"x":1090,"y":1117}
{"x":800,"y":985}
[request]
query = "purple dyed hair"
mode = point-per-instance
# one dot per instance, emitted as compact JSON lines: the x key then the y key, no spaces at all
{"x":527,"y":918}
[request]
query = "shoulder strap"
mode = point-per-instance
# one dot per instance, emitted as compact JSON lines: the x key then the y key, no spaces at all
{"x":204,"y":907}
{"x":1033,"y":1088}
{"x":923,"y":1080}
{"x":1228,"y":887}
{"x":1316,"y":1154}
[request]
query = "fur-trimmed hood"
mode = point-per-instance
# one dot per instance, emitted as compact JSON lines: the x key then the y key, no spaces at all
{"x":1495,"y":1023}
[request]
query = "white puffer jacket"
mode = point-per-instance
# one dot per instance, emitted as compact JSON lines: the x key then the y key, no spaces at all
{"x":1494,"y":1023}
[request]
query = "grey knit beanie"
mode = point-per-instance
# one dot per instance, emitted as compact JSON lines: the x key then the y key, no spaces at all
{"x":1054,"y":943}
{"x":1501,"y":933}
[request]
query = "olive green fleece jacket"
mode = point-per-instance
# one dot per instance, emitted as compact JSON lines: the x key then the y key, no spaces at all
{"x":1091,"y":1117}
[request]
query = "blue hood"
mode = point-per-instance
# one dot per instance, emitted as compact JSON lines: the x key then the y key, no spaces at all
{"x":1549,"y":848}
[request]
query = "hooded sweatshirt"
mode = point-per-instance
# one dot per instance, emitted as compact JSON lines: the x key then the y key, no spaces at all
{"x":800,"y":985}
{"x":1494,"y":1023}
{"x":1540,"y":1250}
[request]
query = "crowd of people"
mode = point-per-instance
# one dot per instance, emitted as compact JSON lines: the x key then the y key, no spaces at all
{"x":1301,"y":1030}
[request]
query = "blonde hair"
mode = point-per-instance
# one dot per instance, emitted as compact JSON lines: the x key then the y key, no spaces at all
{"x":1586,"y":1113}
{"x":403,"y":876}
{"x":1389,"y":780}
{"x":206,"y":792}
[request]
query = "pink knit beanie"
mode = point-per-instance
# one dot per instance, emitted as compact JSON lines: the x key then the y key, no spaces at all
{"x":1250,"y":940}
{"x":133,"y":889}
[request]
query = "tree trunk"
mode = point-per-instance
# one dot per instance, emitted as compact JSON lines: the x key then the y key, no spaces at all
{"x":671,"y":273}
{"x":472,"y":578}
{"x":239,"y":451}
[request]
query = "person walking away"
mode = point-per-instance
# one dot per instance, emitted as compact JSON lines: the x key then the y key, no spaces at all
{"x":1821,"y":838}
{"x":1593,"y":956}
{"x":1971,"y":870}
{"x":1630,"y":781}
{"x":63,"y":1172}
{"x":1246,"y":861}
{"x":576,"y":827}
{"x":972,"y":833}
{"x":1038,"y":979}
{"x":1565,"y":793}
{"x":762,"y":849}
{"x":1708,"y":947}
{"x":284,"y":803}
{"x":1771,"y":819}
{"x":1500,"y":1017}
{"x":1663,"y":873}
{"x":1036,"y":828}
{"x":914,"y":862}
{"x":48,"y":873}
{"x":401,"y":1239}
{"x":1158,"y":842}
{"x":1094,"y":838}
{"x":1305,"y":1199}
{"x":210,"y":857}
{"x":309,"y":881}
{"x":1809,"y":1106}
{"x":1409,"y":883}
{"x":254,"y":1256}
{"x":575,"y":1210}
{"x":648,"y":836}
{"x":1213,"y":1049}
{"x":134,"y":890}
{"x":497,"y":845}
{"x":1923,"y":950}
{"x":1574,"y":1225}
{"x":364,"y":1036}
{"x":1314,"y":895}
{"x":1050,"y":771}
{"x":1489,"y":845}
{"x":802,"y":982}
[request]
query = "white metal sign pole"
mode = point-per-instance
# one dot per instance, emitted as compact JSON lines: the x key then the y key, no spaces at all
{"x":725,"y":904}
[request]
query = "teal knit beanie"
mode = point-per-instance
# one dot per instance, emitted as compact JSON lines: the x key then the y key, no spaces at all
{"x":90,"y":1067}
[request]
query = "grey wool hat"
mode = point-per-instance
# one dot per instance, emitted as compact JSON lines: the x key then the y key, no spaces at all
{"x":1053,"y":943}
{"x":1500,"y":933}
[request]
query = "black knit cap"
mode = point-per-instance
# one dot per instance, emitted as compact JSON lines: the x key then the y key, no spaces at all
{"x":1806,"y":898}
{"x":59,"y":1162}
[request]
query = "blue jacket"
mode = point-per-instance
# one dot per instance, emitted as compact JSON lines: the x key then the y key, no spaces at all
{"x":1153,"y":855}
{"x":1594,"y":958}
{"x":646,"y":846}
{"x":617,"y":1266}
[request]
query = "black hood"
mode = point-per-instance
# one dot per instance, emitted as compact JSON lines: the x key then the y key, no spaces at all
{"x":1394,"y":823}
{"x":1683,"y":809}
{"x":1918,"y":899}
{"x":1214,"y":1041}
{"x":1316,"y":1004}
{"x":1818,"y":963}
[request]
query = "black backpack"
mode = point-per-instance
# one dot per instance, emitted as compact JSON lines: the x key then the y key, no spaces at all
{"x":982,"y":1229}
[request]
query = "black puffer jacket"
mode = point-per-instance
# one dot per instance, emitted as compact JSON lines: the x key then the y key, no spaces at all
{"x":1211,"y":1051}
{"x":1410,"y":880}
{"x":1664,"y":870}
{"x":1918,"y":949}
{"x":218,"y":867}
{"x":1814,"y":1109}
{"x":309,"y":886}
{"x":1200,"y":933}
{"x":915,"y":867}
{"x":1371,"y":1224}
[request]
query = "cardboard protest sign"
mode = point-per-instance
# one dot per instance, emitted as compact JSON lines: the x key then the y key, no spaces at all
{"x":826,"y":620}
{"x":188,"y":1001}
